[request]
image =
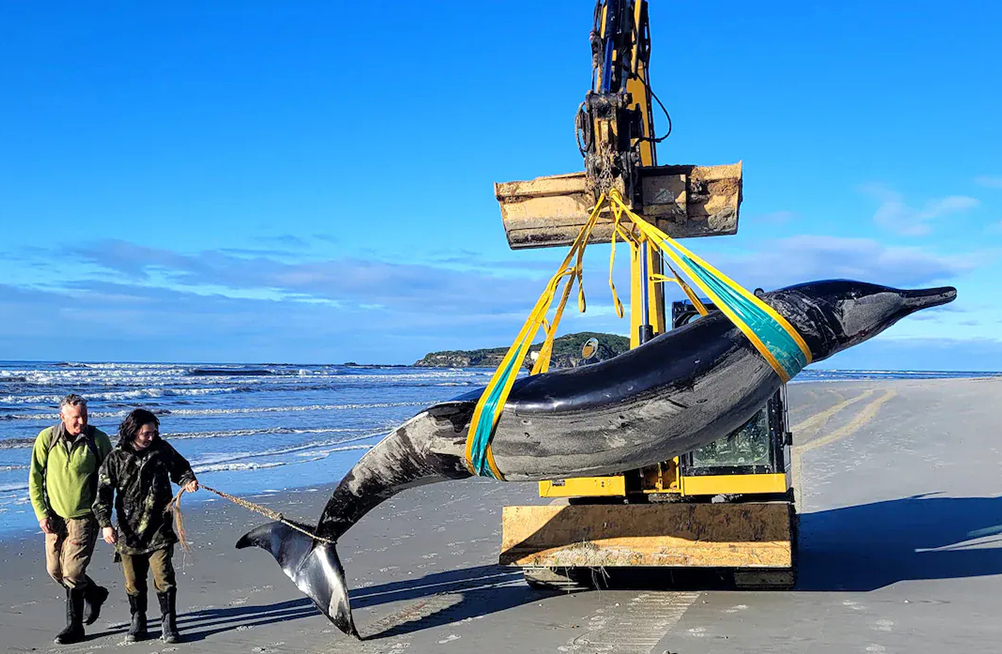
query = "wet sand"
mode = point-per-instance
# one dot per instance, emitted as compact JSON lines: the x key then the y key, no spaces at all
{"x":900,"y":485}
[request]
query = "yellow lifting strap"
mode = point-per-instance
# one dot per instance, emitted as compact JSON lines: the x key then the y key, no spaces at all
{"x":479,"y":457}
{"x":770,"y":333}
{"x":689,"y":293}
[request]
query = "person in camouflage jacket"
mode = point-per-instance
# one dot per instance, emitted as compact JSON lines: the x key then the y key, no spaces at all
{"x":137,"y":475}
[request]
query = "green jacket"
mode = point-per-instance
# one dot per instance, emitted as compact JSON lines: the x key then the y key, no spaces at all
{"x":63,"y":476}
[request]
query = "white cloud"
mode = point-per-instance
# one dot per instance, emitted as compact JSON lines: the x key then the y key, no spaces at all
{"x":811,"y":257}
{"x":894,"y":214}
{"x":343,"y":281}
{"x":213,"y":306}
{"x":991,"y":181}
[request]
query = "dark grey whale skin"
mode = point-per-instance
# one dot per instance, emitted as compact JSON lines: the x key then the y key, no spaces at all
{"x":681,"y":390}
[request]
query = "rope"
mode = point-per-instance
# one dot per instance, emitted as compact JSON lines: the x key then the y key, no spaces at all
{"x":175,"y":506}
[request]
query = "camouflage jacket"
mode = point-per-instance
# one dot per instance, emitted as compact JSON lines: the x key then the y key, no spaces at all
{"x":139,"y":483}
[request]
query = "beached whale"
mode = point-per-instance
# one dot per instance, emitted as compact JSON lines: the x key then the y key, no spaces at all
{"x":679,"y":391}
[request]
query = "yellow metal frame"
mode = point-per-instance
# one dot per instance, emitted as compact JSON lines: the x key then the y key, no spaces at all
{"x":735,"y":484}
{"x":584,"y":487}
{"x":686,"y":485}
{"x":656,"y":310}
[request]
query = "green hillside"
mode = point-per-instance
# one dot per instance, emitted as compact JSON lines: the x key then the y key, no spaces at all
{"x":566,"y":353}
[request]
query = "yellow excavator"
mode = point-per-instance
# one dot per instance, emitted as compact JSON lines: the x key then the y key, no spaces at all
{"x":726,"y":507}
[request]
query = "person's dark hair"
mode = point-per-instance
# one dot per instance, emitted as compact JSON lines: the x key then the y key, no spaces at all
{"x":133,"y":422}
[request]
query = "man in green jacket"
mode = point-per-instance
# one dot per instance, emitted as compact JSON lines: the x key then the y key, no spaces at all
{"x":63,"y":483}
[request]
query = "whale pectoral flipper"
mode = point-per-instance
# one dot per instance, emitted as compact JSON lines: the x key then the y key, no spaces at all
{"x":312,"y":565}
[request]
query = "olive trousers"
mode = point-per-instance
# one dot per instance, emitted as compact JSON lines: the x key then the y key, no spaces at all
{"x":137,"y":566}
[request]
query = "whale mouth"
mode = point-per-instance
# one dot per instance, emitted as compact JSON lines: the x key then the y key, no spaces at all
{"x":928,"y":297}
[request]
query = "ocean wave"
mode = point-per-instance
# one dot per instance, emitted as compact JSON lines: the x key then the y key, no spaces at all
{"x":25,"y":443}
{"x":228,"y":372}
{"x":110,"y":374}
{"x":338,"y":445}
{"x":253,"y":465}
{"x":216,"y":412}
{"x":16,"y":443}
{"x":285,"y":409}
{"x":323,"y":454}
{"x":229,"y":433}
{"x":236,"y":463}
{"x":42,"y":392}
{"x":118,"y":396}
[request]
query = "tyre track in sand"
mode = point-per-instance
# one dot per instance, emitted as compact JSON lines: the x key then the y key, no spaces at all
{"x":864,"y":416}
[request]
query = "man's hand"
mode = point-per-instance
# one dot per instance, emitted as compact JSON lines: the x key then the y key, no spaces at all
{"x":46,"y":525}
{"x":109,"y":535}
{"x":191,"y":486}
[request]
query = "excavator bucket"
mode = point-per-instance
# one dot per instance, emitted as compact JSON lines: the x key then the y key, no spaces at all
{"x":683,"y":201}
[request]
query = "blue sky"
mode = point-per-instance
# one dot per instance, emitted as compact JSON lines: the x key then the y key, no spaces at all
{"x":312,"y":182}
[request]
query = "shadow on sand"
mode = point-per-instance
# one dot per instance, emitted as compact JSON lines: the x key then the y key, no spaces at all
{"x":869,"y":546}
{"x":856,"y":548}
{"x":199,"y":625}
{"x":463,"y":593}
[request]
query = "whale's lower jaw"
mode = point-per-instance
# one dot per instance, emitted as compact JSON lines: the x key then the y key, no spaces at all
{"x":312,"y":565}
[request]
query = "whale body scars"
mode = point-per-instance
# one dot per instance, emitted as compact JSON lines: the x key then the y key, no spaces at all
{"x":676,"y":392}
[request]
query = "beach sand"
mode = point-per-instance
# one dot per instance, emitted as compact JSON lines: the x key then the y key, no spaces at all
{"x":900,"y":486}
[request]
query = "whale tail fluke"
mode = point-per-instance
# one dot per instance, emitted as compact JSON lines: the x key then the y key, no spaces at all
{"x":312,"y":565}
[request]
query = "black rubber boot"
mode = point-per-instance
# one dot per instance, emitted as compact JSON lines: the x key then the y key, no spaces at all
{"x":168,"y":602}
{"x":137,"y":629}
{"x":74,"y":631}
{"x":94,"y":596}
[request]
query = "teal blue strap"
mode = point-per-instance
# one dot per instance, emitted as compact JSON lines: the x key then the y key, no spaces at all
{"x":485,"y":428}
{"x":778,"y":341}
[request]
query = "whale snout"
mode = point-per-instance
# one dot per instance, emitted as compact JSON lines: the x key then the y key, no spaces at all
{"x":836,"y":314}
{"x":928,"y":297}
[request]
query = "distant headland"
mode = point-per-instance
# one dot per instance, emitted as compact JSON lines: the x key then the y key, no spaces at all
{"x":566,"y":353}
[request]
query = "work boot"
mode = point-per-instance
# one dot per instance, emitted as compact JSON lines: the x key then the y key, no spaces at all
{"x":137,"y":607}
{"x":94,"y":596}
{"x":168,"y":612}
{"x":74,"y":631}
